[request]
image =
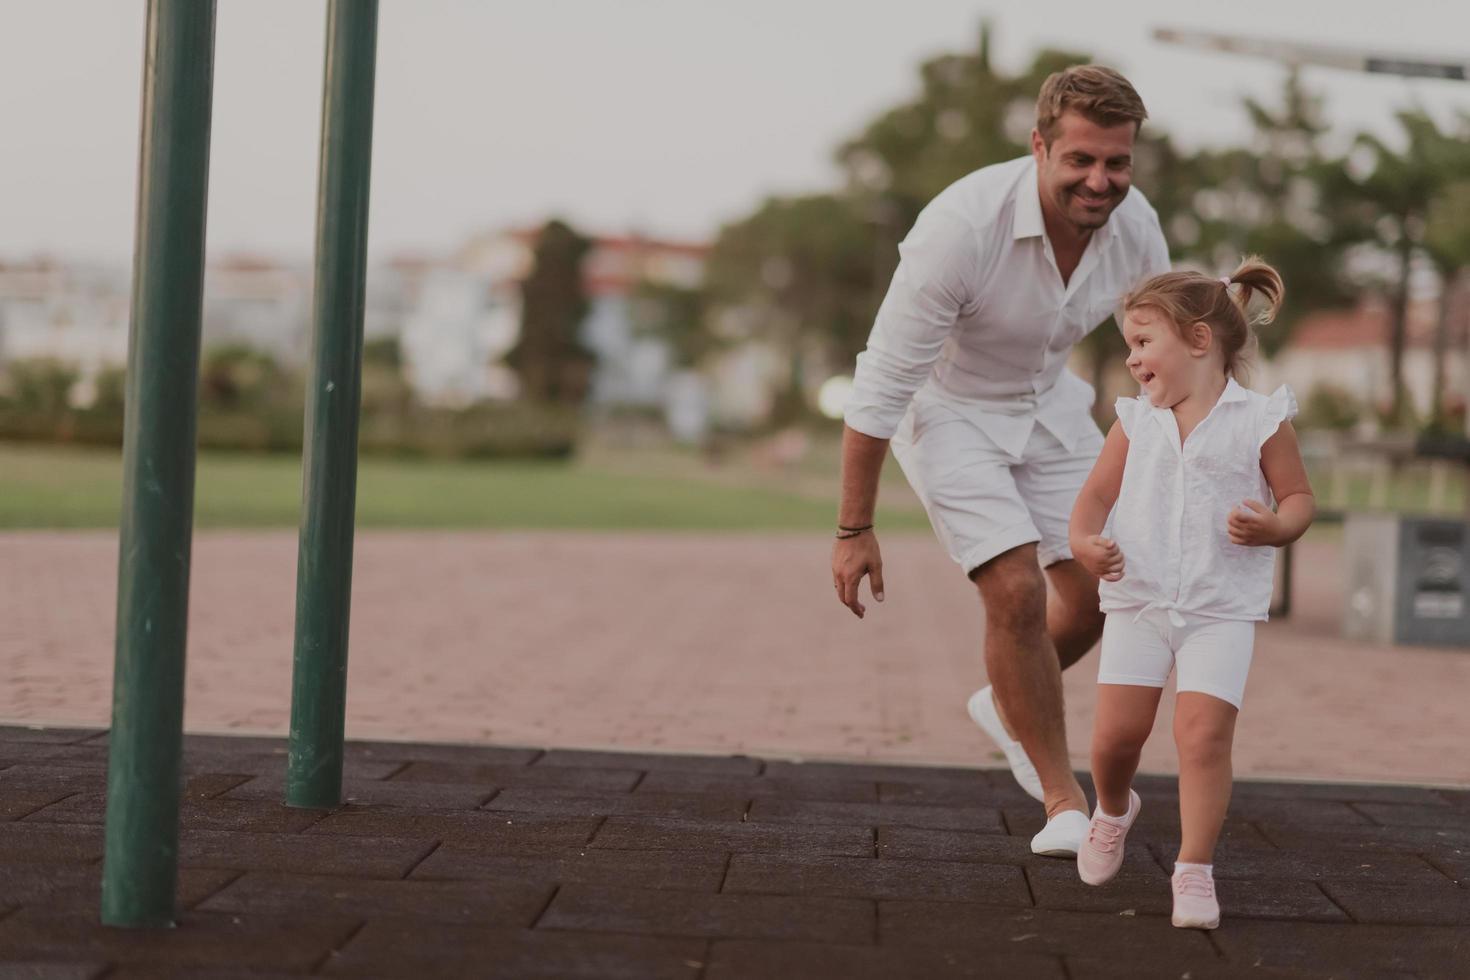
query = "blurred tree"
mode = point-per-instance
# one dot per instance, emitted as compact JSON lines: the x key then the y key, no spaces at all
{"x":1331,"y":406}
{"x":385,"y":391}
{"x":1447,"y":240}
{"x":1447,"y":243}
{"x":236,"y":377}
{"x":800,"y":270}
{"x":41,"y":386}
{"x":1388,"y":208}
{"x":111,"y":386}
{"x":553,"y":364}
{"x":1276,"y":198}
{"x":674,"y":315}
{"x":383,"y":351}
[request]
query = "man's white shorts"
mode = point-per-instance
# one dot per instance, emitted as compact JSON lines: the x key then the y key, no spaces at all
{"x":1213,"y":656}
{"x":982,"y":500}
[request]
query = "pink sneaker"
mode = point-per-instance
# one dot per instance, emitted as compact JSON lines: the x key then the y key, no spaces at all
{"x":1195,"y":906}
{"x":1101,"y":854}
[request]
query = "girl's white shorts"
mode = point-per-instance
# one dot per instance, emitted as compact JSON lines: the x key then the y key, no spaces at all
{"x":1213,"y":656}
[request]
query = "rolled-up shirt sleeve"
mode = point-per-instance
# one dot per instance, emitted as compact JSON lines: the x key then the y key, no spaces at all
{"x":937,"y":266}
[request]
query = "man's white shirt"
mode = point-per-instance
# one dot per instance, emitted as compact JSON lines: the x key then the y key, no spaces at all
{"x":977,"y":317}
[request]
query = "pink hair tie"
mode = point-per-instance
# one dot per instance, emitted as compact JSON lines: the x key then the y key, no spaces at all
{"x":1225,"y":281}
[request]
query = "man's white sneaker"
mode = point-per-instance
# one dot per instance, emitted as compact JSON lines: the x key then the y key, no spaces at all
{"x":1062,"y":836}
{"x":983,"y":713}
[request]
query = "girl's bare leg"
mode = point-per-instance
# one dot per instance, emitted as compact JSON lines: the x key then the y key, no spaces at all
{"x":1125,"y":716}
{"x":1204,"y":729}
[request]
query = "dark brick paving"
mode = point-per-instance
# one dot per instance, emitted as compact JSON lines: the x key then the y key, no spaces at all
{"x":464,"y":861}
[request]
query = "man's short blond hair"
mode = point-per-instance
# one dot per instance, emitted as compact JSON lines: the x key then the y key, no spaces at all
{"x":1099,"y":94}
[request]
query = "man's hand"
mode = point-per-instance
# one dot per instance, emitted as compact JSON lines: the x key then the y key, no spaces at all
{"x":1256,"y":527}
{"x":1100,"y":556}
{"x":852,"y":558}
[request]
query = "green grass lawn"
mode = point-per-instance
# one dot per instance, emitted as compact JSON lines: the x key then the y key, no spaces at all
{"x":53,"y":487}
{"x":43,"y":486}
{"x":1411,"y":490}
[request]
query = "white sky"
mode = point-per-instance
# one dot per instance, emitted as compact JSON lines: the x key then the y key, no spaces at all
{"x":665,"y":116}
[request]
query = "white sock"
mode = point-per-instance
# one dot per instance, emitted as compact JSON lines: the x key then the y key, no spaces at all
{"x":1208,"y":869}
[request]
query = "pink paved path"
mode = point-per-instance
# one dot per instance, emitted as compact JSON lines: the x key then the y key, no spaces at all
{"x":719,"y":643}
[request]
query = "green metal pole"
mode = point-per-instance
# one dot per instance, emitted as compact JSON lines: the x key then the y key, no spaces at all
{"x":141,"y":860}
{"x":329,"y":486}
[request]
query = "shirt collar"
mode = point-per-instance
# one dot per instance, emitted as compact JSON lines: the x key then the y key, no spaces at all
{"x":1233,"y":392}
{"x":1027,"y":221}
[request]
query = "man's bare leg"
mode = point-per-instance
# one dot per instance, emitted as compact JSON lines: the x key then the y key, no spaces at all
{"x":1025,"y":672}
{"x":1073,"y":621}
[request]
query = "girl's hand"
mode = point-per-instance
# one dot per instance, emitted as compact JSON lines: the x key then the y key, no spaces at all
{"x":1100,"y":556}
{"x":1255,"y":527}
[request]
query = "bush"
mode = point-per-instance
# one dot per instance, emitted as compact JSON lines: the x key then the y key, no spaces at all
{"x":239,"y":378}
{"x":83,"y":428}
{"x":110,"y":386}
{"x":1405,"y":420}
{"x":250,"y":403}
{"x":488,"y":430}
{"x":40,"y":386}
{"x":1331,"y":407}
{"x":1451,"y":418}
{"x":270,"y":430}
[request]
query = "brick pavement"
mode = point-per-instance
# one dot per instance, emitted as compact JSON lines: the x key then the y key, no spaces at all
{"x":682,"y":642}
{"x":496,"y":861}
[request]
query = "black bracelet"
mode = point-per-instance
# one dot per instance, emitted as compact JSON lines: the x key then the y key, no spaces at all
{"x":856,"y":530}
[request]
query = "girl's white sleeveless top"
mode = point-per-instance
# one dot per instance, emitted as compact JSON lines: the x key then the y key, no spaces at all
{"x":1170,"y":518}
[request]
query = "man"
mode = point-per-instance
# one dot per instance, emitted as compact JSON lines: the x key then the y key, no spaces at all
{"x":965,"y":372}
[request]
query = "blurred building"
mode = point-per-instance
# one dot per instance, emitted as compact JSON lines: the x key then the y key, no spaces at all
{"x":79,"y":313}
{"x":257,"y":302}
{"x":1348,"y":350}
{"x":456,"y":316}
{"x":632,"y":369}
{"x":466,"y":315}
{"x":459,"y":318}
{"x":74,"y":313}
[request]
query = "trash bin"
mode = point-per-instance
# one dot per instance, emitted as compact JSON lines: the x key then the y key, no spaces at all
{"x":1408,"y":580}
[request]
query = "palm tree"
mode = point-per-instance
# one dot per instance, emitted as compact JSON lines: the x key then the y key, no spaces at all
{"x":1296,"y":228}
{"x":1391,"y":206}
{"x":1447,"y":241}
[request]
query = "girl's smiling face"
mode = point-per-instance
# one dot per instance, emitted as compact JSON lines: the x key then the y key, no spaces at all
{"x":1159,"y":359}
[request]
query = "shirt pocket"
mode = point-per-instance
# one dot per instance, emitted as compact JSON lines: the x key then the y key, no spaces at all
{"x":1099,"y":308}
{"x":1075,"y":321}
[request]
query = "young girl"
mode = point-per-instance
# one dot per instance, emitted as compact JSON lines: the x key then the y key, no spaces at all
{"x":1192,"y":464}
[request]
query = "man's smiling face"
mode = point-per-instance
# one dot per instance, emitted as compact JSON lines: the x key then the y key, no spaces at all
{"x":1087,"y":170}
